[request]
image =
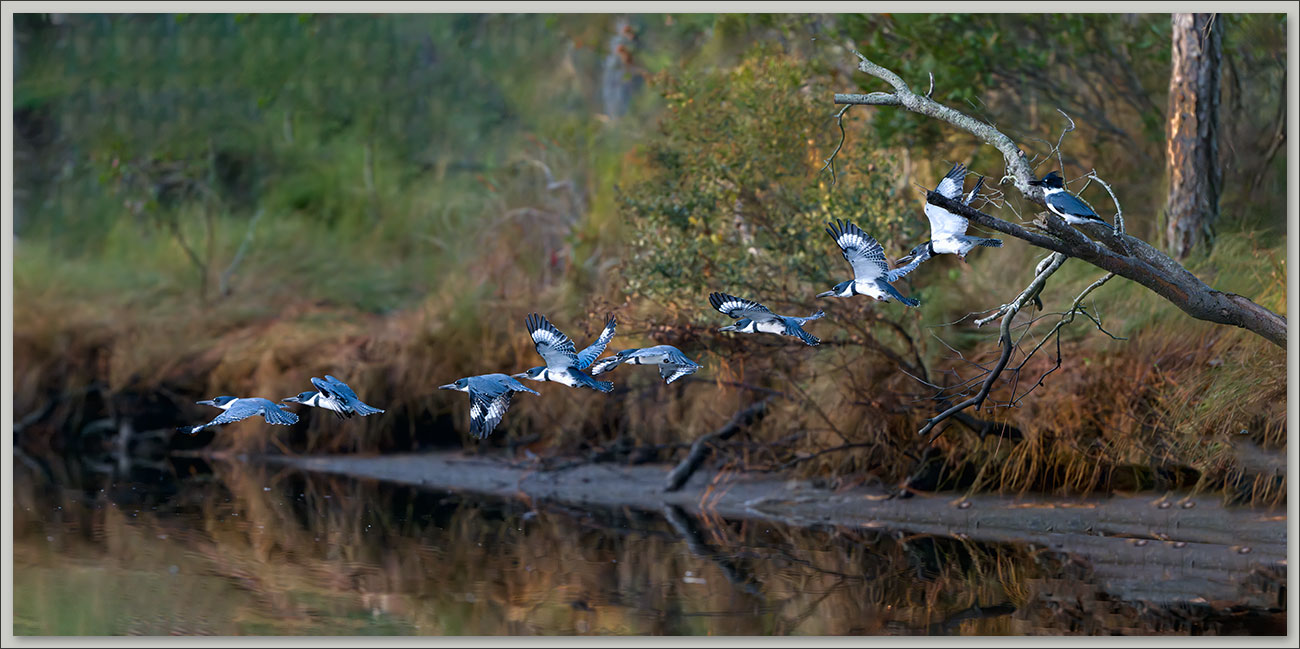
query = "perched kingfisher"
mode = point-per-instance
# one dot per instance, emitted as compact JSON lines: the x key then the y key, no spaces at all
{"x":947,"y":230}
{"x":563,"y":364}
{"x":871,"y":274}
{"x":673,"y":364}
{"x":1063,"y":203}
{"x":335,"y":396}
{"x":242,"y":408}
{"x":755,"y":318}
{"x":489,"y":398}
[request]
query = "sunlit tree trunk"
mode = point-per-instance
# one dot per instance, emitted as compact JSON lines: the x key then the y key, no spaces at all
{"x":1194,"y":174}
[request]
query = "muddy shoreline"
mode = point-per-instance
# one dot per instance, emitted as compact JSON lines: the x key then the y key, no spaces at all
{"x":1146,"y":547}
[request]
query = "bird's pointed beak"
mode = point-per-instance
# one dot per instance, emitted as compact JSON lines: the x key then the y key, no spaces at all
{"x":904,"y":260}
{"x":205,"y":402}
{"x":1036,"y":183}
{"x":291,"y":400}
{"x":449,"y":386}
{"x":521,"y":375}
{"x":826,"y":294}
{"x":728,"y":328}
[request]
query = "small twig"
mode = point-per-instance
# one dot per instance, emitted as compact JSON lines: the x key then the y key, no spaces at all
{"x":1119,"y":211}
{"x":1066,"y":319}
{"x":1061,"y":139}
{"x":830,"y":162}
{"x":1045,"y":270}
{"x":931,"y":90}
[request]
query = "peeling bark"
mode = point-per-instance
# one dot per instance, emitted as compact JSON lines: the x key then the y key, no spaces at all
{"x":1192,"y":141}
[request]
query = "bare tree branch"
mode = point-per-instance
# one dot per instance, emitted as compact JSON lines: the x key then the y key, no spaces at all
{"x":1119,"y":253}
{"x":830,"y":162}
{"x":1008,"y":312}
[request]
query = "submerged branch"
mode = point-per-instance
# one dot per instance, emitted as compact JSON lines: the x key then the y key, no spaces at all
{"x":700,"y":449}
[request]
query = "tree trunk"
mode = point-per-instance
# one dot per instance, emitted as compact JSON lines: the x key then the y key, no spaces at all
{"x":1195,"y":177}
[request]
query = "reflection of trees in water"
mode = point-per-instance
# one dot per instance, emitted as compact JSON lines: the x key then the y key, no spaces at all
{"x":284,"y":551}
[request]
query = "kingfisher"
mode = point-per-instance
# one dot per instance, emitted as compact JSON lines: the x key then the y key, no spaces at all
{"x":564,"y":365}
{"x":1064,"y":204}
{"x":947,"y":230}
{"x":673,"y":364}
{"x":756,"y":318}
{"x":334,"y":395}
{"x":871,"y":274}
{"x":489,"y":398}
{"x":237,"y":409}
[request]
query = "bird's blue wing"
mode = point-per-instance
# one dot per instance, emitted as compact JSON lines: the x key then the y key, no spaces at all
{"x":672,"y":371}
{"x":610,"y":362}
{"x":326,"y":388}
{"x":676,"y":357}
{"x":345,"y":393}
{"x":792,"y":328}
{"x":860,"y":249}
{"x":342,"y":389}
{"x":514,"y":384}
{"x":950,"y":186}
{"x":552,"y":345}
{"x":739,"y":307}
{"x":898,"y":273}
{"x":487,"y":406}
{"x":238,"y":412}
{"x":1067,"y":203}
{"x":588,"y":355}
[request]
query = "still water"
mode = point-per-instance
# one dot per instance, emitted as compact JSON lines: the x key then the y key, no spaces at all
{"x":229,"y":548}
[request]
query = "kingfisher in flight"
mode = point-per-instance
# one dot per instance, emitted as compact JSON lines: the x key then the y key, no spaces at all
{"x":752,"y":317}
{"x":871,"y":274}
{"x":564,"y":364}
{"x":489,"y":398}
{"x":237,"y":409}
{"x":336,"y":396}
{"x":947,"y":230}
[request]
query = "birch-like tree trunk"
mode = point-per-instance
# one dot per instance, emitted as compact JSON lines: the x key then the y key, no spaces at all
{"x":1195,"y":177}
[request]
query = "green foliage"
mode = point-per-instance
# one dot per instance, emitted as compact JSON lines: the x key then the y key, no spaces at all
{"x":735,"y":199}
{"x":979,"y":59}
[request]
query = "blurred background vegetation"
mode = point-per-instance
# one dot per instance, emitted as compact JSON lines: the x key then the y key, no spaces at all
{"x":230,"y":204}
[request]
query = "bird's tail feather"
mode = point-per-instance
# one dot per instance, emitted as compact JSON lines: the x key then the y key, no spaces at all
{"x":893,"y":292}
{"x":991,"y":243}
{"x":366,"y":409}
{"x":191,"y":430}
{"x":280,"y":417}
{"x":806,"y":337}
{"x":606,"y":364}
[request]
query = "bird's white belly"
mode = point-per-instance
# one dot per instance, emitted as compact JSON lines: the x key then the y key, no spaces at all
{"x":948,"y":246}
{"x":770,"y":327}
{"x":561,"y":377}
{"x":330,"y":404}
{"x":650,"y":359}
{"x":869,"y":289}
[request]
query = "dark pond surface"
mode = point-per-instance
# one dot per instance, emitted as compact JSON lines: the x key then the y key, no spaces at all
{"x":183,"y":547}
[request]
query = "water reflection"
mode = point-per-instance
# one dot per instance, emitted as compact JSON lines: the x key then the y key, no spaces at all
{"x":239,"y":549}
